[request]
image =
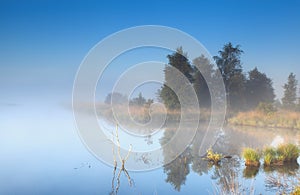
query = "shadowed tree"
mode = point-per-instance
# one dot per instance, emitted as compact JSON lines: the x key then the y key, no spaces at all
{"x":290,"y":93}
{"x":200,"y":85}
{"x":138,"y":101}
{"x":229,"y":64}
{"x":258,"y":89}
{"x":179,"y":61}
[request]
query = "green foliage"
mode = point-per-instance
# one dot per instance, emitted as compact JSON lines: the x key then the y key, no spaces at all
{"x":241,"y":92}
{"x":169,"y":98}
{"x":251,"y":157}
{"x":179,"y":61}
{"x":270,"y":155}
{"x":290,"y":93}
{"x":230,"y":66}
{"x":200,"y":84}
{"x":258,"y":89}
{"x":138,"y":101}
{"x":282,"y":154}
{"x":267,"y":108}
{"x":289,"y":152}
{"x":213,"y":157}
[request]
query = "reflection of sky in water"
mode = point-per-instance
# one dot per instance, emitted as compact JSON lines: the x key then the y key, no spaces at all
{"x":139,"y":143}
{"x":41,"y":153}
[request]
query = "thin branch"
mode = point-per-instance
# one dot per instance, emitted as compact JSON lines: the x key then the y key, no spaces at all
{"x":118,"y":142}
{"x":129,"y":151}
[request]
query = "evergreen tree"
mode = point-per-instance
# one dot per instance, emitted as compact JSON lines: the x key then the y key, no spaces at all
{"x":138,"y":101}
{"x":230,"y":66}
{"x":290,"y":93}
{"x":259,"y":89}
{"x":179,"y":61}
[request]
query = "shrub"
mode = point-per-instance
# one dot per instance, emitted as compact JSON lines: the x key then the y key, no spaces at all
{"x":266,"y":108}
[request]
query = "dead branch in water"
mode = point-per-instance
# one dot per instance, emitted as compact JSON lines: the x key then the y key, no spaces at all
{"x":122,"y":160}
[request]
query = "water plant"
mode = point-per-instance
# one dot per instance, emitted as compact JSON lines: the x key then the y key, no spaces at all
{"x":284,"y":153}
{"x":296,"y":191}
{"x":213,"y":157}
{"x":251,"y":157}
{"x":289,"y":152}
{"x":270,"y":156}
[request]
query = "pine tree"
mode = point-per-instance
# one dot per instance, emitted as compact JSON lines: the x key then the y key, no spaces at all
{"x":230,"y":66}
{"x":290,"y":93}
{"x":179,"y":61}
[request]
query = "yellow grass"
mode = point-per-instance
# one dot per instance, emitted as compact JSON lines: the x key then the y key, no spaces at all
{"x":280,"y":119}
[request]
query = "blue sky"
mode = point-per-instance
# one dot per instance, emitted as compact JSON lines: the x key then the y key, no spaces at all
{"x":44,"y":42}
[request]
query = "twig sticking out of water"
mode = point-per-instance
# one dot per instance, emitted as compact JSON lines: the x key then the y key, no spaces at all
{"x":122,"y":160}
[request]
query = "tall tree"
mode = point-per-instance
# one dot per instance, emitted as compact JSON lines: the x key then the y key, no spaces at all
{"x":200,"y":85}
{"x":138,"y":101}
{"x":290,"y":92}
{"x":230,"y":66}
{"x":179,"y":61}
{"x":258,"y":89}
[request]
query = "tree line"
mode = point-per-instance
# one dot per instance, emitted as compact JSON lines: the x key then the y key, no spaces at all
{"x":244,"y":91}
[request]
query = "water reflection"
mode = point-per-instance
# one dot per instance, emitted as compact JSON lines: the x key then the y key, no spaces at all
{"x":281,"y":182}
{"x":250,"y":171}
{"x":288,"y":168}
{"x":115,"y":185}
{"x":231,"y":176}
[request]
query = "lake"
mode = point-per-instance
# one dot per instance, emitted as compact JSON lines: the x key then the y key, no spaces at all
{"x":41,"y":153}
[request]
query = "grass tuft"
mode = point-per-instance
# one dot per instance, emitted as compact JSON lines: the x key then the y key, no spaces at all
{"x":284,"y":153}
{"x":251,"y":157}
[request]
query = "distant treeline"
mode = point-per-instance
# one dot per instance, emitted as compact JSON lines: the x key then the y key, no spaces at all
{"x":244,"y":91}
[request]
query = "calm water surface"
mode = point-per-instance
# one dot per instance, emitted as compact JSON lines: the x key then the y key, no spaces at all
{"x":41,"y":153}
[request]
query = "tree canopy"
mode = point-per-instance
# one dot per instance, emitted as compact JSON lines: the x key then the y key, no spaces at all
{"x":259,"y":88}
{"x":243,"y":91}
{"x":179,"y":61}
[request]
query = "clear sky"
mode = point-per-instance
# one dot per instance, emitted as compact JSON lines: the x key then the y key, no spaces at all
{"x":42,"y":43}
